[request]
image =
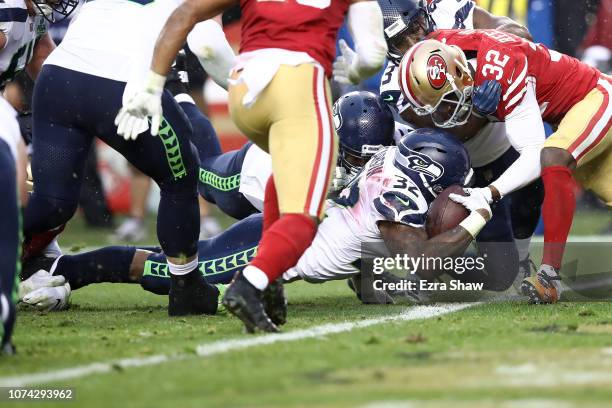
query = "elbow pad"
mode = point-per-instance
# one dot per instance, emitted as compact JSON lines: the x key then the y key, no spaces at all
{"x":207,"y":41}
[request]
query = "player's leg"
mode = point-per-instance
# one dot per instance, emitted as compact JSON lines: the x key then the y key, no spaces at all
{"x":582,"y":136}
{"x":302,"y":144}
{"x":171,"y":161}
{"x":60,"y":150}
{"x":220,"y":257}
{"x":9,"y":245}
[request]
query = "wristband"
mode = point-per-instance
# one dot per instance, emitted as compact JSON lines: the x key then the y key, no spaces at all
{"x":473,"y":223}
{"x":155,"y":82}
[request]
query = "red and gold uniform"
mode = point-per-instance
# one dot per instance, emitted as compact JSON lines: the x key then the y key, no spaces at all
{"x":572,"y":96}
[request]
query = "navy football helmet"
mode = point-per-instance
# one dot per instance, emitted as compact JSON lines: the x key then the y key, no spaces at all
{"x":402,"y":19}
{"x":364,"y":124}
{"x":51,"y":9}
{"x":434,"y":158}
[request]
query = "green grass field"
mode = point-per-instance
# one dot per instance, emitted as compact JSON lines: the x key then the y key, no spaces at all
{"x":503,"y":354}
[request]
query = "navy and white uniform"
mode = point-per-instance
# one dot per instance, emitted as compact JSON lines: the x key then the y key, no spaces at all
{"x":22,"y":31}
{"x":9,"y":222}
{"x":76,"y":98}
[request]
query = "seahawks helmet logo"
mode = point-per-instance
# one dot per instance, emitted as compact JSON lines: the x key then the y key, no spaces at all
{"x":337,"y":117}
{"x":420,"y":163}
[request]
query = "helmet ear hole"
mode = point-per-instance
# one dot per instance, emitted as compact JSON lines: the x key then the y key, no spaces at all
{"x":458,"y":72}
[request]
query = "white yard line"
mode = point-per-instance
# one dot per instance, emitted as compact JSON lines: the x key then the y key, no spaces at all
{"x":224,"y":346}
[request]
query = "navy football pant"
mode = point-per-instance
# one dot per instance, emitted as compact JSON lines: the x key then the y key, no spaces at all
{"x":9,"y":238}
{"x":70,"y":109}
{"x":219,"y":174}
{"x":515,"y":216}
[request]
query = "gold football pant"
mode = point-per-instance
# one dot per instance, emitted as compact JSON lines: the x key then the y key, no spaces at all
{"x":291,"y":119}
{"x":585,"y":133}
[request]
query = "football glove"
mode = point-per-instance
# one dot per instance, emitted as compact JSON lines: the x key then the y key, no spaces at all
{"x":132,"y":119}
{"x":486,"y":97}
{"x":349,"y":67}
{"x":476,"y":199}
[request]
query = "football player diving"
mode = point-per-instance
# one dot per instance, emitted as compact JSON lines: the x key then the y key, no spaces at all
{"x":385,"y":202}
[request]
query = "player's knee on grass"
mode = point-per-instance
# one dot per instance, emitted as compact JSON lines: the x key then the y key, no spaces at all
{"x":555,"y":156}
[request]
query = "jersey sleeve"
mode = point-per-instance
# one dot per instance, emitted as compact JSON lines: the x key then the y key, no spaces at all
{"x":390,"y":91}
{"x":449,"y":14}
{"x":508,"y":66}
{"x":402,"y":203}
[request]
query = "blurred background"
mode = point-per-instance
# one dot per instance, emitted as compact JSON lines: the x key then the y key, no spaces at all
{"x":118,"y":204}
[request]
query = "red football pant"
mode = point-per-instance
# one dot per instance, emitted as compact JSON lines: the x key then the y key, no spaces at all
{"x":557,"y":212}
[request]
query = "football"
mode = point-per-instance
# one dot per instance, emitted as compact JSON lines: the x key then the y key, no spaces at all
{"x":445,"y":214}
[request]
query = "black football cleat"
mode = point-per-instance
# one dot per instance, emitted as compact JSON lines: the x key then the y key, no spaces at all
{"x":190,"y":294}
{"x":275,"y":302}
{"x":177,"y":81}
{"x":244,"y":301}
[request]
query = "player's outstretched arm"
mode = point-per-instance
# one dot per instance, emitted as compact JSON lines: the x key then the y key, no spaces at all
{"x":485,"y":20}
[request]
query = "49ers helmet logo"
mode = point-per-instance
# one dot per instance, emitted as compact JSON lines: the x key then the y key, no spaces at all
{"x":436,"y":71}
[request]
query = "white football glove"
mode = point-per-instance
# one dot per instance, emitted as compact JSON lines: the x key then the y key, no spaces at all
{"x":40,"y":279}
{"x":49,"y":299}
{"x":132,"y":118}
{"x":345,"y":66}
{"x":475,"y":200}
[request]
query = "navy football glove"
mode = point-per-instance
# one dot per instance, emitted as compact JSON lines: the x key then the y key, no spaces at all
{"x":486,"y":97}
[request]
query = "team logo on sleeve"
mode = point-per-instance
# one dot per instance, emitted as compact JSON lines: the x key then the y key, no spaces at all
{"x":436,"y":71}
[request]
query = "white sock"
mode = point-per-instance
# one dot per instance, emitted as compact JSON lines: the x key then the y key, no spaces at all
{"x":183,"y":269}
{"x":184,"y":98}
{"x":522,"y":246}
{"x":256,"y":277}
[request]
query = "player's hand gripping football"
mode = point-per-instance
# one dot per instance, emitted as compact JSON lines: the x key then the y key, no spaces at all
{"x":132,"y":119}
{"x":476,"y":199}
{"x":486,"y":97}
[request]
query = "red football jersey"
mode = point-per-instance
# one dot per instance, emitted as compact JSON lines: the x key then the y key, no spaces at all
{"x":309,"y":26}
{"x":561,"y":81}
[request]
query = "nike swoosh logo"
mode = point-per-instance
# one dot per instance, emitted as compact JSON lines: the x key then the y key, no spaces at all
{"x":388,"y":98}
{"x":401,"y":200}
{"x":511,"y":77}
{"x":57,"y":303}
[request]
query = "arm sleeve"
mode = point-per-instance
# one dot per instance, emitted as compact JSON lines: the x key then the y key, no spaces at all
{"x":208,"y":42}
{"x":365,"y":22}
{"x":525,"y":130}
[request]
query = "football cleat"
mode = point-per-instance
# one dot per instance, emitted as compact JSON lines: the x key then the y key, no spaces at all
{"x":49,"y":299}
{"x":526,"y":269}
{"x":40,"y":279}
{"x":244,"y":301}
{"x":544,"y":287}
{"x":190,"y":294}
{"x":34,"y":265}
{"x":177,"y":81}
{"x":275,"y":302}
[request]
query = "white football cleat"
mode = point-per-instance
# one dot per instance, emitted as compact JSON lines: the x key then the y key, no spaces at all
{"x":40,"y":279}
{"x":49,"y":299}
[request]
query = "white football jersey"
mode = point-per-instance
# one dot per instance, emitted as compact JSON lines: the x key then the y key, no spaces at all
{"x":110,"y":38}
{"x":21,"y":31}
{"x":9,"y":127}
{"x":380,"y":192}
{"x":491,"y":142}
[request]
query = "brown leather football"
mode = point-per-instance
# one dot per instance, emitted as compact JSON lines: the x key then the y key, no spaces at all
{"x":444,"y":214}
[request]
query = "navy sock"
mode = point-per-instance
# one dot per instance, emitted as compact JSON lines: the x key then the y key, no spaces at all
{"x":110,"y":264}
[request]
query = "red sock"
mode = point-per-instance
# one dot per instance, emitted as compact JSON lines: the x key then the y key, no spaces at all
{"x":557,"y":212}
{"x":283,"y":243}
{"x":271,"y":212}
